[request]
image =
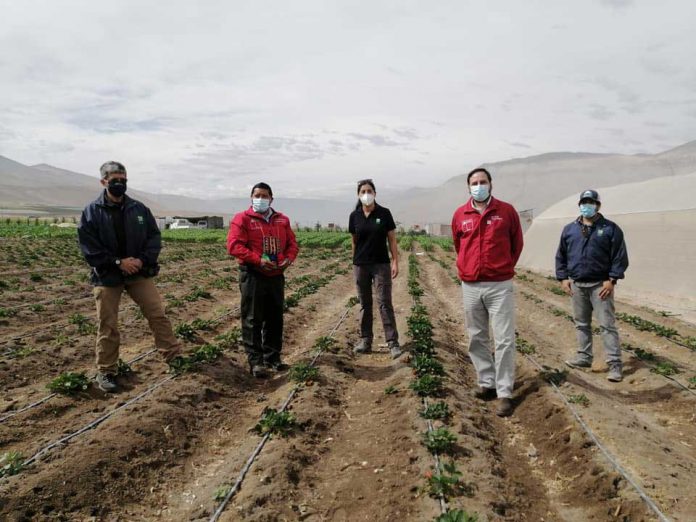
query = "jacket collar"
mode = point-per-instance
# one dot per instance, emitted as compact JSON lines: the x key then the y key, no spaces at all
{"x":469,"y":206}
{"x":600,"y":219}
{"x":102,"y":200}
{"x":250,"y":212}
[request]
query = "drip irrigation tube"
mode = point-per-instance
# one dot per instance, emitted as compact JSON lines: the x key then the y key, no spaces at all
{"x":614,"y":462}
{"x":250,"y":461}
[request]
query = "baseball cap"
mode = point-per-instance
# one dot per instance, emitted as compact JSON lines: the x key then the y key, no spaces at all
{"x":590,"y":194}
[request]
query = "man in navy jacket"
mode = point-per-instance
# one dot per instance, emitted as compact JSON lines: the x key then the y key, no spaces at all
{"x":120,"y":240}
{"x":590,"y":260}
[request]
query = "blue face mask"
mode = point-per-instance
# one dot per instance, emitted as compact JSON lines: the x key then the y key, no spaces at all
{"x":260,"y":205}
{"x":480,"y":192}
{"x":588,"y":210}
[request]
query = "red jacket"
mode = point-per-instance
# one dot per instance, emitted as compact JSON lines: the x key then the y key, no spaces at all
{"x":488,"y":245}
{"x":250,"y":232}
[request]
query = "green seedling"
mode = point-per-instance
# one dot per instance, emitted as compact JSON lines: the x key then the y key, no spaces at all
{"x":523,"y":277}
{"x":37,"y":308}
{"x":427,"y":385}
{"x":84,"y":326}
{"x":202,"y":324}
{"x":303,"y":373}
{"x":456,"y":515}
{"x":352,"y":302}
{"x":70,"y":383}
{"x":643,"y":355}
{"x":273,"y":422}
{"x":554,"y":376}
{"x":581,"y":399}
{"x":525,"y":347}
{"x":447,"y":483}
{"x":197,"y":293}
{"x":437,"y":411}
{"x":426,"y":365}
{"x":647,"y":326}
{"x":7,"y":312}
{"x":206,"y":353}
{"x":439,"y":441}
{"x":692,"y":381}
{"x":123,"y":368}
{"x":221,"y":493}
{"x":665,"y":368}
{"x":325,"y":343}
{"x":556,"y":290}
{"x":229,"y":340}
{"x":390,"y":390}
{"x":11,"y":463}
{"x":185,"y":331}
{"x":19,"y":352}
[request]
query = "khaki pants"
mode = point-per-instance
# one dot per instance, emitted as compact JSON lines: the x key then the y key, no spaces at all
{"x":488,"y":303}
{"x":146,"y":296}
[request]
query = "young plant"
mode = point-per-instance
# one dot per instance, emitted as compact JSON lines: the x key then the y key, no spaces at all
{"x":303,"y":373}
{"x":390,"y":390}
{"x":438,"y":411}
{"x":426,"y":365}
{"x":692,"y":381}
{"x":352,"y":301}
{"x":229,"y":340}
{"x":427,"y":385}
{"x":206,"y":353}
{"x":439,"y":441}
{"x":70,"y":383}
{"x":221,"y":493}
{"x":36,"y":308}
{"x":665,"y":368}
{"x":525,"y":347}
{"x":11,"y":463}
{"x":185,"y":331}
{"x":556,"y":290}
{"x":84,"y":326}
{"x":554,"y":376}
{"x":273,"y":422}
{"x":456,"y":515}
{"x":643,"y":355}
{"x":197,"y":293}
{"x":202,"y":324}
{"x":123,"y":368}
{"x":447,"y":483}
{"x":325,"y":343}
{"x":581,"y":399}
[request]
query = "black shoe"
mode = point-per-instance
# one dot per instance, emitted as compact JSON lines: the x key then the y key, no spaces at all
{"x":106,"y":382}
{"x":277,"y":366}
{"x":258,"y":371}
{"x":504,"y":408}
{"x":485,"y":394}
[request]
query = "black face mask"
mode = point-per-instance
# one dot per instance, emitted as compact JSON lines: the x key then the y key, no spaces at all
{"x":117,"y":187}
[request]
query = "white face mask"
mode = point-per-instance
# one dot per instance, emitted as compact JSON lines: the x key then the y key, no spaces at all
{"x":480,"y":192}
{"x":367,"y":199}
{"x":260,"y":205}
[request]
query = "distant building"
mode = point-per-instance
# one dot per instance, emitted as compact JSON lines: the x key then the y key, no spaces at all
{"x":438,"y":229}
{"x":195,"y":222}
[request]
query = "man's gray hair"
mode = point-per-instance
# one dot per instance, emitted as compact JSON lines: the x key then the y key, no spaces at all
{"x":111,"y":167}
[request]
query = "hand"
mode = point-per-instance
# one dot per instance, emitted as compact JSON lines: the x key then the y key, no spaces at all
{"x":130,"y":265}
{"x":268,"y":265}
{"x":394,"y":269}
{"x":567,"y":287}
{"x":607,"y":290}
{"x":284,"y":264}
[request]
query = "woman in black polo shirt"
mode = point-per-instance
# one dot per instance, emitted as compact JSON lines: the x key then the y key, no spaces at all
{"x":372,"y":227}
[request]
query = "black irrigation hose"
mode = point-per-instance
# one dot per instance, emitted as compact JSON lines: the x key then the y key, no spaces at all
{"x":250,"y":461}
{"x":614,"y":462}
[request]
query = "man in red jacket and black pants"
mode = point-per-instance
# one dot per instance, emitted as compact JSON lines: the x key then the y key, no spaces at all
{"x":264,"y":244}
{"x":488,"y":239}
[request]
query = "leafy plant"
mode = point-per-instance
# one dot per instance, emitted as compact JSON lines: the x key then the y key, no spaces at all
{"x":665,"y":368}
{"x":197,"y":293}
{"x":352,"y":301}
{"x":276,"y":422}
{"x":647,"y":326}
{"x":7,"y":312}
{"x":185,"y":331}
{"x":303,"y":373}
{"x":390,"y":390}
{"x":425,"y":365}
{"x":206,"y":353}
{"x":692,"y":381}
{"x":556,"y":290}
{"x":554,"y":375}
{"x":325,"y":343}
{"x":524,"y":346}
{"x":456,"y":515}
{"x":427,"y":385}
{"x":123,"y":368}
{"x":439,"y":441}
{"x":19,"y":352}
{"x":37,"y":308}
{"x":84,"y":326}
{"x":438,"y":411}
{"x":69,"y":383}
{"x":202,"y":324}
{"x":221,"y":493}
{"x":447,"y":483}
{"x":35,"y":277}
{"x":11,"y":463}
{"x":229,"y":340}
{"x":581,"y":399}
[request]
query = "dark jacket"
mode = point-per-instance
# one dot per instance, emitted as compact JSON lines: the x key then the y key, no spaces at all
{"x":100,"y":247}
{"x":598,"y":255}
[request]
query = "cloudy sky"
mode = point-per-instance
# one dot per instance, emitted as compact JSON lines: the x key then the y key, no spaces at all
{"x":204,"y":98}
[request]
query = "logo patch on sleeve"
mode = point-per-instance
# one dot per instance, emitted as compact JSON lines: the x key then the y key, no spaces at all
{"x":141,"y":220}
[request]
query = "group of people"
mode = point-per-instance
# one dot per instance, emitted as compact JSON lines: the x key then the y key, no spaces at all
{"x":121,"y":242}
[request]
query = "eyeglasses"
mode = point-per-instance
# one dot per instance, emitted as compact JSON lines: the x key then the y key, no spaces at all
{"x":364,"y":181}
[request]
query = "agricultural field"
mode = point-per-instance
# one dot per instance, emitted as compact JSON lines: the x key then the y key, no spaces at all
{"x":338,"y":437}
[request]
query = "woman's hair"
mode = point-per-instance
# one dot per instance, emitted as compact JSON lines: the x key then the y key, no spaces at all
{"x":362,"y":182}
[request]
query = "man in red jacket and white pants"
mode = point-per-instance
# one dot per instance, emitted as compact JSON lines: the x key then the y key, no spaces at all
{"x":264,"y":244}
{"x":488,"y":239}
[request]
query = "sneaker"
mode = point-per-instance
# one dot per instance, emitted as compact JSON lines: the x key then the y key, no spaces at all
{"x":504,"y":408}
{"x":485,"y":394}
{"x":579,"y":362}
{"x":259,"y":371}
{"x":277,"y":366}
{"x":615,"y":373}
{"x":394,"y":349}
{"x":364,"y":346}
{"x":106,"y":382}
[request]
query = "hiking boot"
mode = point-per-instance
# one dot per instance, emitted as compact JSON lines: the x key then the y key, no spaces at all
{"x":394,"y":349}
{"x":259,"y":371}
{"x":504,"y":408}
{"x":615,"y":373}
{"x":485,"y":394}
{"x":277,"y":366}
{"x":364,"y":346}
{"x":106,"y":382}
{"x":579,"y":362}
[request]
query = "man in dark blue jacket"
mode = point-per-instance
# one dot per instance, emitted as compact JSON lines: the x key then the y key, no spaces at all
{"x":120,"y":240}
{"x":590,"y":260}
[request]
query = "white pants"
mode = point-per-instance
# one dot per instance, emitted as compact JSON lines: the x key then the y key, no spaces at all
{"x":491,"y":302}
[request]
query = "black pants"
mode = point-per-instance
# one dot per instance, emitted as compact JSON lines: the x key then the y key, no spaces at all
{"x":262,"y":316}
